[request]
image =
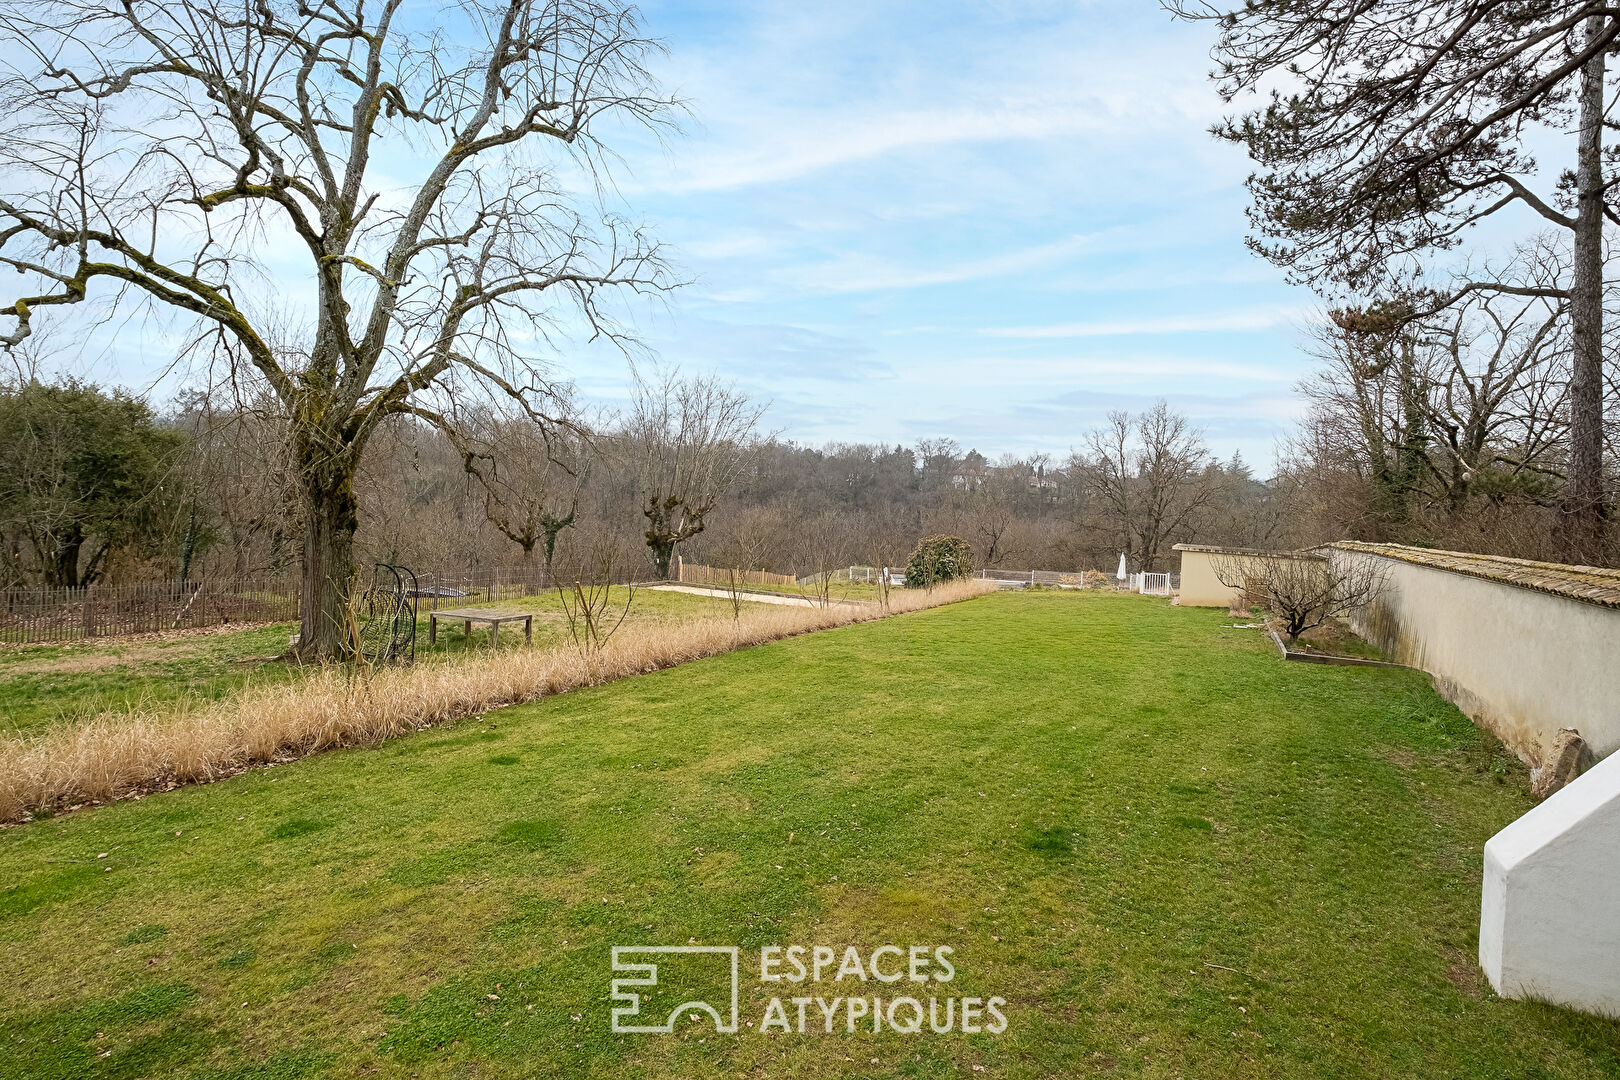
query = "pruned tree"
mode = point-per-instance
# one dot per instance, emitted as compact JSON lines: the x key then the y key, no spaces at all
{"x":531,"y":475}
{"x":687,"y":439}
{"x":150,"y":152}
{"x":1302,"y":589}
{"x":590,"y":606}
{"x":1391,"y":126}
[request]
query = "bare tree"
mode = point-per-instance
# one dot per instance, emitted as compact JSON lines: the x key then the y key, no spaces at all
{"x":1170,"y":468}
{"x":733,"y":585}
{"x":1496,"y":402}
{"x":531,"y":475}
{"x":1105,"y":468}
{"x":1442,"y":417}
{"x":1302,"y":589}
{"x":150,"y":150}
{"x":985,"y":512}
{"x":589,"y":606}
{"x":1147,"y":474}
{"x":244,"y":474}
{"x":752,"y":539}
{"x":939,"y":459}
{"x":687,"y":439}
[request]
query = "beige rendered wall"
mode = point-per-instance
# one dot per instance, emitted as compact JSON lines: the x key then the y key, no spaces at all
{"x":1521,"y":663}
{"x":1199,"y":585}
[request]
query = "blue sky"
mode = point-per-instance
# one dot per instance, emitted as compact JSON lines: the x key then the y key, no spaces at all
{"x":991,"y":221}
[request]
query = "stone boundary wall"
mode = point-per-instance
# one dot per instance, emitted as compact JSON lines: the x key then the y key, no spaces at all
{"x":1523,"y":648}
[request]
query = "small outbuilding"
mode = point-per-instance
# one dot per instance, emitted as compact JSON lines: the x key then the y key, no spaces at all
{"x":1201,"y":584}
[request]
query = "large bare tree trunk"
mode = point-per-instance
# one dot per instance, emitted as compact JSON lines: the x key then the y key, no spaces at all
{"x":1581,"y":511}
{"x":328,"y":570}
{"x":663,"y":553}
{"x":276,"y":117}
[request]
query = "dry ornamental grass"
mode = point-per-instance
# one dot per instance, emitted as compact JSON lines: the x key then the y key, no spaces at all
{"x":124,"y":753}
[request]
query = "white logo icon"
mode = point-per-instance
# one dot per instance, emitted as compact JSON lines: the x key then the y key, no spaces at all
{"x":647,"y":975}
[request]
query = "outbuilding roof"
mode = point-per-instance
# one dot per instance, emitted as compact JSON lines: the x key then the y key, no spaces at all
{"x":1212,"y":549}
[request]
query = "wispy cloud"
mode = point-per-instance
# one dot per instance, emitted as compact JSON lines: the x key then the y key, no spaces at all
{"x":1112,"y":372}
{"x":860,"y":273}
{"x":1229,"y":322}
{"x":759,"y":351}
{"x":781,"y":149}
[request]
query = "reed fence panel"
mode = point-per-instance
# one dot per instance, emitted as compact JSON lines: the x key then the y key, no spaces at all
{"x":30,"y":615}
{"x":697,"y":574}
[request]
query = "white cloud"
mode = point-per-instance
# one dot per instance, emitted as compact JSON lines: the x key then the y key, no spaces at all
{"x":858,"y":272}
{"x":1230,"y":322}
{"x":782,"y":148}
{"x":1089,"y":373}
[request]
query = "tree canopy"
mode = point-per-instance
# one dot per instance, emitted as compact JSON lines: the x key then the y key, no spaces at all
{"x":85,"y":475}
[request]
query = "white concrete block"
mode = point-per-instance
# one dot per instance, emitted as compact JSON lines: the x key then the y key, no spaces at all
{"x":1550,"y":914}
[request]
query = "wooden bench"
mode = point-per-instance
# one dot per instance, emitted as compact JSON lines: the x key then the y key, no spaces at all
{"x":466,"y":617}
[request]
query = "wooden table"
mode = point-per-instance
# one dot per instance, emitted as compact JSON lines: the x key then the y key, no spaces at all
{"x":467,"y":616}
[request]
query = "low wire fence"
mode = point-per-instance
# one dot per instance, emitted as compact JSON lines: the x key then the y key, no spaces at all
{"x":894,"y":575}
{"x":31,"y":615}
{"x":458,"y":588}
{"x":1149,"y":584}
{"x":1033,"y":577}
{"x":37,"y":614}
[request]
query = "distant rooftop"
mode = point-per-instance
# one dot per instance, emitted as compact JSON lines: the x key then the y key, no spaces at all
{"x":1588,"y":584}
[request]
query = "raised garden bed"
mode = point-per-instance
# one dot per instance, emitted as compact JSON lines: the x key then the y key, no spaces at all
{"x":1331,"y":643}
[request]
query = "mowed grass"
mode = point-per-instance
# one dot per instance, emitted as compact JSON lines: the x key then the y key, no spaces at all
{"x":42,"y":686}
{"x":1171,"y":852}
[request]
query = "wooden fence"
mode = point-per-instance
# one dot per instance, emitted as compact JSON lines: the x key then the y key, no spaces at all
{"x":42,"y":614}
{"x":714,"y":575}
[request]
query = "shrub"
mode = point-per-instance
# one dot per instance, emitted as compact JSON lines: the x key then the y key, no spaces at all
{"x":937,"y":559}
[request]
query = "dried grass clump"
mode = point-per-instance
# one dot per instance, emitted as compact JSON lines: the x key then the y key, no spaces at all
{"x":125,"y":753}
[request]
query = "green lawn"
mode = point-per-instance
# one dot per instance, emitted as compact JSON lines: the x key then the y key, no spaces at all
{"x":45,"y":685}
{"x":1174,"y":854}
